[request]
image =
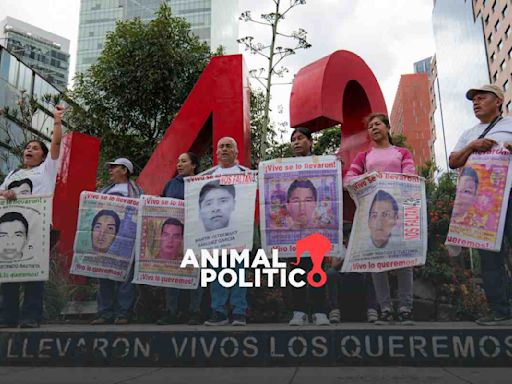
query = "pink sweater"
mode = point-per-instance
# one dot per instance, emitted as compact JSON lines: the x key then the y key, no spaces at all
{"x":391,"y":159}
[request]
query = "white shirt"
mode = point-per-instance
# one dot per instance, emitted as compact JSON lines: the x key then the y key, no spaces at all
{"x":218,"y":170}
{"x":501,"y":133}
{"x":43,"y":177}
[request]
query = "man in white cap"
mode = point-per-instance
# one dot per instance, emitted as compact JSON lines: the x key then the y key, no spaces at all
{"x":120,"y":171}
{"x":493,"y":129}
{"x":115,"y":299}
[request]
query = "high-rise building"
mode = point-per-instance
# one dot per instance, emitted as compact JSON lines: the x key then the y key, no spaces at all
{"x":43,"y":51}
{"x":423,"y":66}
{"x":410,"y":116}
{"x":460,"y":64}
{"x":19,"y":83}
{"x":213,"y":21}
{"x":497,"y":24}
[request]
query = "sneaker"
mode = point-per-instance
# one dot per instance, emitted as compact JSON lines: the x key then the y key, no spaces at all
{"x":494,"y":319}
{"x":405,"y":318}
{"x":320,"y":319}
{"x":167,"y":319}
{"x":335,"y":316}
{"x":298,"y":319}
{"x":217,"y":318}
{"x":100,"y":321}
{"x":121,"y":320}
{"x":386,"y":317}
{"x":29,"y":324}
{"x":195,"y":318}
{"x":239,"y":320}
{"x":372,"y":315}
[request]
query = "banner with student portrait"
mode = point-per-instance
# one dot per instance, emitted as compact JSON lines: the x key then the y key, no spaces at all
{"x":159,"y":244}
{"x":219,"y":211}
{"x":298,"y":197}
{"x":105,"y":237}
{"x":25,"y":238}
{"x":480,"y":206}
{"x":390,"y":223}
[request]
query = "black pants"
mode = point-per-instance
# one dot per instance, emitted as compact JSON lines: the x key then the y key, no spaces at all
{"x":300,"y":296}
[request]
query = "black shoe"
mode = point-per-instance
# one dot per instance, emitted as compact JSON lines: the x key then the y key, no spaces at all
{"x":239,"y":320}
{"x":167,"y":319}
{"x":29,"y":324}
{"x":121,"y":320}
{"x":405,"y":318}
{"x":494,"y":319}
{"x":217,"y":318}
{"x":102,"y":321}
{"x":386,"y":317}
{"x":195,"y":318}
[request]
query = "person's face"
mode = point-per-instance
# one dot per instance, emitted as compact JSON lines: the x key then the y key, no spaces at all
{"x":377,"y":130}
{"x":216,"y":209}
{"x":301,"y":206}
{"x":12,"y":239}
{"x":171,"y":242}
{"x":103,"y":233}
{"x":185,"y":166}
{"x":486,"y":105}
{"x":118,"y":173}
{"x":381,"y":221}
{"x":33,"y":154}
{"x":301,"y":145}
{"x":22,"y":190}
{"x":226,"y":152}
{"x":466,"y":192}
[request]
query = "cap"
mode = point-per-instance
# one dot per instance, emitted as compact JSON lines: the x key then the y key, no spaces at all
{"x":485,"y":88}
{"x":122,"y":161}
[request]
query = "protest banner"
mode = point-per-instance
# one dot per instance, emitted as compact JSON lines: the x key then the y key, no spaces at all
{"x":105,"y":237}
{"x":159,"y":244}
{"x":298,"y":197}
{"x":390,"y":224}
{"x":480,"y":207}
{"x":219,"y":211}
{"x":25,"y":238}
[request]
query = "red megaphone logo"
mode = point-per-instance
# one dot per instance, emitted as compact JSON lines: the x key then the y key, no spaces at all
{"x":317,"y":245}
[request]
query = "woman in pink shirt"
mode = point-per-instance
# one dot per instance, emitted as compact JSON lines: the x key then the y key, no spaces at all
{"x":384,"y":156}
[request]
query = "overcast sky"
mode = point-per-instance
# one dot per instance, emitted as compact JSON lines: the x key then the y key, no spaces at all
{"x":390,"y":35}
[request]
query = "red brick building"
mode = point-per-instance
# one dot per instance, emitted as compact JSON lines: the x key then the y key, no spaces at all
{"x":410,"y":115}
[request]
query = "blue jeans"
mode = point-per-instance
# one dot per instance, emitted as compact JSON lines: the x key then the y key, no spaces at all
{"x":494,"y":274}
{"x":235,"y":296}
{"x":115,"y":298}
{"x":32,"y":307}
{"x":172,"y":295}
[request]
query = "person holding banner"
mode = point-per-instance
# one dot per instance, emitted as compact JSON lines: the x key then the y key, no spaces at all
{"x":301,"y":203}
{"x":385,"y":157}
{"x":115,"y":299}
{"x":40,"y":168}
{"x":227,"y":152}
{"x":188,"y":165}
{"x":493,"y":129}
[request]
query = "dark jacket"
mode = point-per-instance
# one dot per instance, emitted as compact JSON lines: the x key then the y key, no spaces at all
{"x":175,"y":188}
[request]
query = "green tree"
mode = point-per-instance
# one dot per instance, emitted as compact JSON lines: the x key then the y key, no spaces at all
{"x":140,"y":81}
{"x":327,"y":141}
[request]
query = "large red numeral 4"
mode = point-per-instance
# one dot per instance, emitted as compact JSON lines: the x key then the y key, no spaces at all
{"x":219,"y":101}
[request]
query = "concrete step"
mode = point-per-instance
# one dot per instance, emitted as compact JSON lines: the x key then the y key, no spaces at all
{"x":348,"y":344}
